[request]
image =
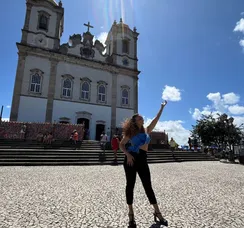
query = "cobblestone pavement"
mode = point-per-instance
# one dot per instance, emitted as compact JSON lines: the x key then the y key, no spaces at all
{"x":191,"y":195}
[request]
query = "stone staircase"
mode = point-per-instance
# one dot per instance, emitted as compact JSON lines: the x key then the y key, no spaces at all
{"x":90,"y":153}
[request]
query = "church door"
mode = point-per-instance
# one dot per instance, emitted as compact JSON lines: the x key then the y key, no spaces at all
{"x":87,"y":123}
{"x":99,"y":130}
{"x":84,"y":120}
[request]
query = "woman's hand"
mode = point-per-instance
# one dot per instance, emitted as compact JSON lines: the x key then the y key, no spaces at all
{"x":130,"y":160}
{"x":163,"y":104}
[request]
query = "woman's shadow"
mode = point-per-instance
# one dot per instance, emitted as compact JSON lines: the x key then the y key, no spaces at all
{"x":156,"y":225}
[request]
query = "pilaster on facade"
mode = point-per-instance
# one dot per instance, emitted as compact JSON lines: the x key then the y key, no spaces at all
{"x":17,"y":87}
{"x":51,"y":90}
{"x":113,"y":103}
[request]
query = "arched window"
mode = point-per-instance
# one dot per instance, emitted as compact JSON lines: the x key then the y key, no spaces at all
{"x":35,"y":86}
{"x":43,"y":20}
{"x":125,"y":97}
{"x":67,"y":88}
{"x":102,"y":93}
{"x":36,"y":81}
{"x":85,"y":90}
{"x":125,"y":46}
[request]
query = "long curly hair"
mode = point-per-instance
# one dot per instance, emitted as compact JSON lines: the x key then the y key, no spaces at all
{"x":130,"y":127}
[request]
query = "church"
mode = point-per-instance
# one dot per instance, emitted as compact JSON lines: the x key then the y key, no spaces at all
{"x":81,"y":81}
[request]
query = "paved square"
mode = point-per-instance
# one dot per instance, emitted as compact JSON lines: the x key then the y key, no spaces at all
{"x":191,"y":195}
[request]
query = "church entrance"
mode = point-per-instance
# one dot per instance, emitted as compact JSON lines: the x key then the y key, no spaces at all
{"x":86,"y":127}
{"x":85,"y":121}
{"x":99,"y":130}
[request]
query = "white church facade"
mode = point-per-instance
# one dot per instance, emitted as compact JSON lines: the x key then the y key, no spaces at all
{"x":81,"y":81}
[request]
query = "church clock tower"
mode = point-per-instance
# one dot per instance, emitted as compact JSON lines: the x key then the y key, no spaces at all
{"x":43,"y":24}
{"x":122,"y":45}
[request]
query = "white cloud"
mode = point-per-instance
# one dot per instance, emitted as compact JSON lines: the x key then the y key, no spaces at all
{"x":226,"y":103}
{"x":238,"y":120}
{"x":239,"y":26}
{"x":241,"y":43}
{"x":102,"y":37}
{"x":174,"y":129}
{"x":242,"y":13}
{"x":231,"y":98}
{"x":5,"y":119}
{"x":171,"y":93}
{"x":236,"y":109}
{"x":8,"y":106}
{"x":196,"y":115}
{"x":221,"y":103}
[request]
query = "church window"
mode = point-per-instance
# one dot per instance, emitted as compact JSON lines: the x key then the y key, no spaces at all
{"x":85,"y":91}
{"x":36,"y":81}
{"x":67,"y":85}
{"x":125,"y":46}
{"x":125,"y":95}
{"x":35,"y":86}
{"x":43,"y":20}
{"x":102,"y":92}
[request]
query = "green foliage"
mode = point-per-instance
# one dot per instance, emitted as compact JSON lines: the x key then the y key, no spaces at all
{"x":217,"y":131}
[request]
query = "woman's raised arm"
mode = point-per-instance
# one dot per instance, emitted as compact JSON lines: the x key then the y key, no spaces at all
{"x":155,"y":120}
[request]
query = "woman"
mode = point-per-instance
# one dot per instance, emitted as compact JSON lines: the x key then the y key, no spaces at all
{"x":136,"y":161}
{"x":115,"y":146}
{"x":75,"y":138}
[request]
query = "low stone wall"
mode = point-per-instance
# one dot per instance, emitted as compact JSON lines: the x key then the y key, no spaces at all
{"x":12,"y":130}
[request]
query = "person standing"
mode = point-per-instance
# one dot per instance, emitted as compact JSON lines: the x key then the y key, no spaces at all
{"x":189,"y":143}
{"x":172,"y":145}
{"x":103,"y":140}
{"x":23,"y":132}
{"x":135,"y":162}
{"x":75,"y":138}
{"x":115,"y":146}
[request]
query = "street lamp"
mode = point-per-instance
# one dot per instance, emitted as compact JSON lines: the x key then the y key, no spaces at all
{"x":1,"y":115}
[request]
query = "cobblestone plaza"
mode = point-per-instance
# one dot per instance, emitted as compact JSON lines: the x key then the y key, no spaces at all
{"x":190,"y":195}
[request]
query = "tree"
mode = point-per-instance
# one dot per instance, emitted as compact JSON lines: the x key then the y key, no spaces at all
{"x":219,"y":131}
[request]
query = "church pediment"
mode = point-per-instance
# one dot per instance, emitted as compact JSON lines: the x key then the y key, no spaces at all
{"x":85,"y":48}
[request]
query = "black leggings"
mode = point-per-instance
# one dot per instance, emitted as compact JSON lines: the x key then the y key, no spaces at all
{"x":140,"y":165}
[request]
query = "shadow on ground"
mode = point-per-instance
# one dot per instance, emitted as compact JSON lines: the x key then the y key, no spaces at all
{"x":156,"y":225}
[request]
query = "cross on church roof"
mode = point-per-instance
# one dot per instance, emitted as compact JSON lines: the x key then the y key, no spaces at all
{"x":88,"y":26}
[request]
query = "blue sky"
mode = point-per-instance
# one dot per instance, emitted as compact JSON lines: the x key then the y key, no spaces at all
{"x":189,"y":45}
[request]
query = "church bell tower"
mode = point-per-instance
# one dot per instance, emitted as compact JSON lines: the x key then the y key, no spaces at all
{"x":43,"y":26}
{"x":121,"y":44}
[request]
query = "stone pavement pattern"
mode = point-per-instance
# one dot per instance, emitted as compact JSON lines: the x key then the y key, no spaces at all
{"x":191,"y":195}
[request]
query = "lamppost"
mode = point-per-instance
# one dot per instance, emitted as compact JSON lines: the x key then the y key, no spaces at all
{"x":1,"y":114}
{"x":231,"y":150}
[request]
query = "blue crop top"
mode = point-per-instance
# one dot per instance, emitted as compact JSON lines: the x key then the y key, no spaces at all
{"x":137,"y":141}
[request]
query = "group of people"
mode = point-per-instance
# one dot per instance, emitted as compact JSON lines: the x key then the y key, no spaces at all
{"x":46,"y":138}
{"x":114,"y":144}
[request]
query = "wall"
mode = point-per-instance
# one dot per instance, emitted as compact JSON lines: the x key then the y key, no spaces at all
{"x":69,"y":110}
{"x":32,"y":109}
{"x":123,"y":80}
{"x":43,"y":64}
{"x":11,"y":130}
{"x":32,"y":38}
{"x":122,"y":114}
{"x":79,"y":72}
